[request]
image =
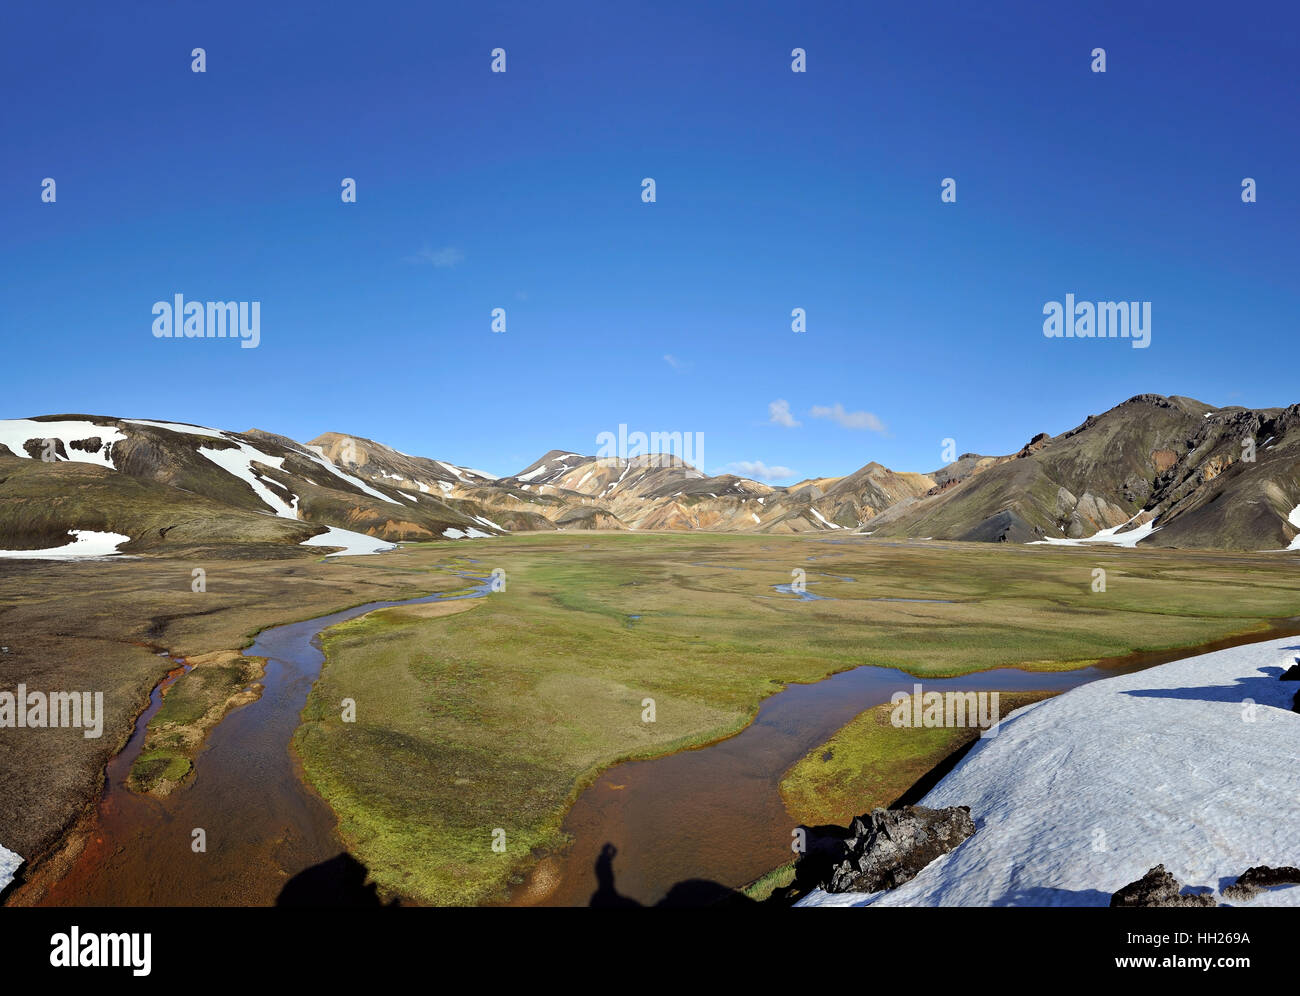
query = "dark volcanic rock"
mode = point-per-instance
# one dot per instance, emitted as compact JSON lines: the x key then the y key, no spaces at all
{"x":1158,"y":888}
{"x":1292,"y":673}
{"x":1001,"y":527}
{"x":90,"y":445}
{"x":1034,"y":445}
{"x":887,"y":847}
{"x":1255,"y":880}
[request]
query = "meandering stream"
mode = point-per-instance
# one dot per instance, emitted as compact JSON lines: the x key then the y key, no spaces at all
{"x":262,"y":823}
{"x":715,"y":814}
{"x":712,"y":814}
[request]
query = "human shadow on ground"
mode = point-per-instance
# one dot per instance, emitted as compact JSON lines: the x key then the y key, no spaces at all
{"x":689,"y":893}
{"x":338,"y":882}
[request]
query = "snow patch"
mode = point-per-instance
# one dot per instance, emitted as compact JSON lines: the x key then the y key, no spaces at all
{"x":464,"y":473}
{"x":1162,"y":761}
{"x":16,"y":431}
{"x":471,"y":533}
{"x":87,"y":544}
{"x":353,"y":543}
{"x":9,"y":862}
{"x":356,"y":482}
{"x":189,"y":430}
{"x":1294,"y":519}
{"x":1111,"y":536}
{"x":239,"y":462}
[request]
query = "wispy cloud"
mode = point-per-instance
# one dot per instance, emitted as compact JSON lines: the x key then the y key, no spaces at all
{"x":849,"y":420}
{"x":675,"y":363}
{"x":440,"y":258}
{"x":779,"y":412}
{"x":758,"y":470}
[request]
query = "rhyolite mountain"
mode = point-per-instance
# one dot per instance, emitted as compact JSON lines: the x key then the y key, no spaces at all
{"x":1196,"y":476}
{"x":1162,"y":471}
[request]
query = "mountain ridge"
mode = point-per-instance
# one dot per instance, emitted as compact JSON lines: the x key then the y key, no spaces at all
{"x":1155,"y":470}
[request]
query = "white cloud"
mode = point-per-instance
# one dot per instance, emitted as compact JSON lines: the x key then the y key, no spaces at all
{"x":849,"y":420}
{"x":675,"y":363}
{"x":440,"y":258}
{"x":779,"y":412}
{"x":758,"y":470}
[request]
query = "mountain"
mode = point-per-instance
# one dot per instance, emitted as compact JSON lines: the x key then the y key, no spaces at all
{"x":1175,"y":468}
{"x":172,"y":487}
{"x":1154,"y":470}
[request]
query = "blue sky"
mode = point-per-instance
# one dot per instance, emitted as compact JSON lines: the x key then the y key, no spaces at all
{"x":522,"y":191}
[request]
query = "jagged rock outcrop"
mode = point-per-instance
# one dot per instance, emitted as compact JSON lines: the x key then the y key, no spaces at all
{"x":1255,"y":880}
{"x":1158,"y":888}
{"x":1035,"y":444}
{"x":887,"y":847}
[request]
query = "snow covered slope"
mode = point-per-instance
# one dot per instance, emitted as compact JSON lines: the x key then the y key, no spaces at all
{"x":16,"y":432}
{"x":9,"y":863}
{"x":1112,"y":536}
{"x":353,"y":543}
{"x":1080,"y":795}
{"x":86,"y":545}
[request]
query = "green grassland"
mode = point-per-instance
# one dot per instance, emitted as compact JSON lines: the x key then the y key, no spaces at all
{"x":871,"y":763}
{"x":493,"y":713}
{"x":191,"y":706}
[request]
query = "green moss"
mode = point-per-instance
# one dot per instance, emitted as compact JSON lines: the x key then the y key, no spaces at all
{"x":154,"y":766}
{"x":761,"y":889}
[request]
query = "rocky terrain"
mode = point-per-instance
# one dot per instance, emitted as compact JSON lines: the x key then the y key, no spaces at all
{"x":1159,"y":888}
{"x":887,"y":847}
{"x":1193,"y":475}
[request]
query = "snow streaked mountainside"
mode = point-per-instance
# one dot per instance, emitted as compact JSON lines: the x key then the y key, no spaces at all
{"x":1079,"y":795}
{"x":169,"y":487}
{"x":1153,"y":471}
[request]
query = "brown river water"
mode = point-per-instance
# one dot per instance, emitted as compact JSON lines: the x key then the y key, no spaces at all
{"x":693,"y":825}
{"x":264,"y":825}
{"x":682,"y":825}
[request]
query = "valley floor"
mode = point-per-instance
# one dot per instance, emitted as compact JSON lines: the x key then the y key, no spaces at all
{"x":496,"y":715}
{"x":114,"y":626}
